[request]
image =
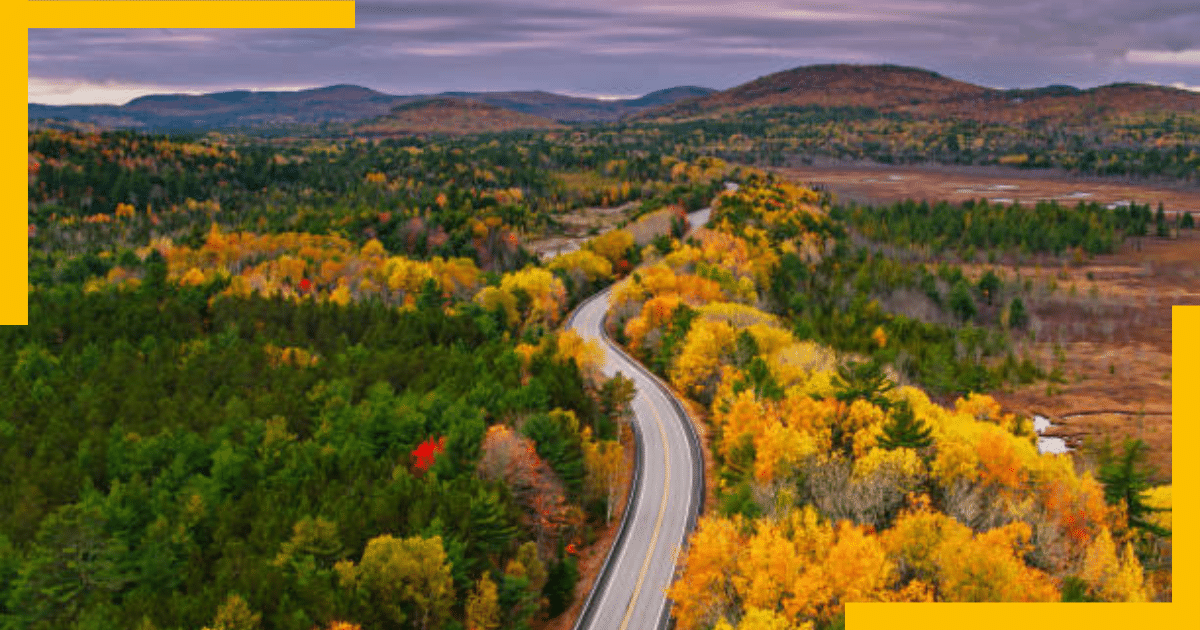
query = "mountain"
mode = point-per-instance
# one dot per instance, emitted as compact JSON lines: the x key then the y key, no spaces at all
{"x":450,"y":116}
{"x":337,"y":103}
{"x":839,"y":85}
{"x":580,"y":109}
{"x":926,"y":94}
{"x":668,"y":96}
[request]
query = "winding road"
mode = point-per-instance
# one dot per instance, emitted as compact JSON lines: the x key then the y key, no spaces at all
{"x":667,"y":494}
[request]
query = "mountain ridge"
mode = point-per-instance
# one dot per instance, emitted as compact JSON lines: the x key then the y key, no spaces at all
{"x":447,"y":115}
{"x":886,"y":88}
{"x":341,"y":103}
{"x":924,"y":93}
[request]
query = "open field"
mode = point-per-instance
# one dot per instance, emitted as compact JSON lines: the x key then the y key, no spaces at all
{"x":1104,"y":323}
{"x":884,"y":184}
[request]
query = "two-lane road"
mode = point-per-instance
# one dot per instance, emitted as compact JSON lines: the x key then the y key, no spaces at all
{"x":668,"y":490}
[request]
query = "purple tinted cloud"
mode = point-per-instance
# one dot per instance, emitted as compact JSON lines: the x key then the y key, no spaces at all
{"x":633,"y":47}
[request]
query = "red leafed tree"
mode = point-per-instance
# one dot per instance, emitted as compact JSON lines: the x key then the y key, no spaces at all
{"x":426,"y":452}
{"x":306,"y":285}
{"x":511,"y":457}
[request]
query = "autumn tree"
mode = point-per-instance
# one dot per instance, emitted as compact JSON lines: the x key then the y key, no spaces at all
{"x":235,"y":614}
{"x":1110,"y":578}
{"x":513,"y":458}
{"x":616,"y":398}
{"x":483,"y":609}
{"x":603,"y":460}
{"x":407,"y":578}
{"x":704,"y":591}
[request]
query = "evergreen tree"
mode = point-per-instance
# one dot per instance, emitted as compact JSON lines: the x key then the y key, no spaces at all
{"x":961,"y":301}
{"x":560,"y":585}
{"x":1126,"y":480}
{"x":1017,"y":316}
{"x":989,"y":286}
{"x":904,"y":430}
{"x":865,"y":380}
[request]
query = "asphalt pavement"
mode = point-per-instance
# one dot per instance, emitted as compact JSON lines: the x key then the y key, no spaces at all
{"x":667,"y":494}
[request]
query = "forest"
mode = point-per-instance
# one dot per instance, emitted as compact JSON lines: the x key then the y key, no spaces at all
{"x":321,"y":383}
{"x":858,"y":455}
{"x":1147,"y":145}
{"x":297,"y":387}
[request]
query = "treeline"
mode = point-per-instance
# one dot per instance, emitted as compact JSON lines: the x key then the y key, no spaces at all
{"x":979,"y":226}
{"x":937,"y":327}
{"x":1146,"y":145}
{"x":417,"y":197}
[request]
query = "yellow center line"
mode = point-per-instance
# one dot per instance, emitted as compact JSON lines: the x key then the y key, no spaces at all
{"x":662,"y":509}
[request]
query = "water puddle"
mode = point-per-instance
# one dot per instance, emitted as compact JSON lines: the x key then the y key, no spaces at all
{"x":1048,"y":445}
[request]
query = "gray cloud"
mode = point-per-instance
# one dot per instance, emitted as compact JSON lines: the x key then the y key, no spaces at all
{"x":632,"y":47}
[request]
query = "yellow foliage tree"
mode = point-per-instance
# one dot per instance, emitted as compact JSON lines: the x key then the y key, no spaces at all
{"x":400,"y":572}
{"x":544,"y":296}
{"x":582,"y":266}
{"x":611,"y":245}
{"x":587,"y":354}
{"x":696,"y":369}
{"x":1109,"y":578}
{"x":235,"y":614}
{"x":483,"y":606}
{"x":704,"y":592}
{"x":763,"y":619}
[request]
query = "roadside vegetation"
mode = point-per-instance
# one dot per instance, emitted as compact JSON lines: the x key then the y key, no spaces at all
{"x":290,"y":384}
{"x":858,"y":455}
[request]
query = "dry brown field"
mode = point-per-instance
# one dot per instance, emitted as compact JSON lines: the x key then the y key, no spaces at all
{"x":1105,"y":323}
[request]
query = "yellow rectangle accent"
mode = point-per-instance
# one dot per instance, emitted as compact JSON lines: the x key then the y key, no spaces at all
{"x":14,"y":173}
{"x":14,"y":244}
{"x":189,"y":14}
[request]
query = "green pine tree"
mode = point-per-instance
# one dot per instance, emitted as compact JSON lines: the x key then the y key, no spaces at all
{"x":1018,"y":317}
{"x":904,"y":430}
{"x":1126,"y":480}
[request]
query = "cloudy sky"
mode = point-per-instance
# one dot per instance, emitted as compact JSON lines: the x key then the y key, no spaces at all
{"x":630,"y":47}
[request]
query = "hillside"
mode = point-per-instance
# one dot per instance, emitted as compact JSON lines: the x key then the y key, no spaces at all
{"x":336,"y":103}
{"x":925,"y":94}
{"x":241,"y":108}
{"x":449,"y":116}
{"x":881,"y":87}
{"x":579,"y":109}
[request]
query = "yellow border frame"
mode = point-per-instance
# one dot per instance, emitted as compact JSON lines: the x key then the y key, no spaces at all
{"x":14,"y":250}
{"x":340,"y":14}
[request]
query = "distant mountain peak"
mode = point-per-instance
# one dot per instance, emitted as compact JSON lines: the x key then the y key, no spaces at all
{"x":922,"y":93}
{"x":448,"y":115}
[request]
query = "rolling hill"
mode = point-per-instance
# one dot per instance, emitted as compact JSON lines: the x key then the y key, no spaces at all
{"x":333,"y":104}
{"x":926,"y":94}
{"x":449,"y":116}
